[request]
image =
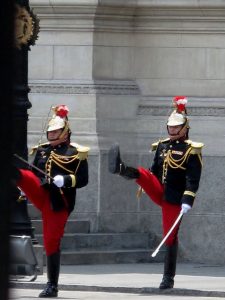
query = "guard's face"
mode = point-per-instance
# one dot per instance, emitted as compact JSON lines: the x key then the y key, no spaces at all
{"x":55,"y":137}
{"x":54,"y":134}
{"x":176,"y":132}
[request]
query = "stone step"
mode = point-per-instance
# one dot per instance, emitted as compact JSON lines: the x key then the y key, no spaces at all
{"x":33,"y":212}
{"x":106,"y":241}
{"x":110,"y":256}
{"x":79,"y":246}
{"x":72,"y":226}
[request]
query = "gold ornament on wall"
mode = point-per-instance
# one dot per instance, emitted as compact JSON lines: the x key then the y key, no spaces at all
{"x":26,"y":27}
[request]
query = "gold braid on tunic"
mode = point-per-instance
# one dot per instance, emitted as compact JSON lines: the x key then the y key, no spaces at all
{"x":61,"y":161}
{"x":174,"y":163}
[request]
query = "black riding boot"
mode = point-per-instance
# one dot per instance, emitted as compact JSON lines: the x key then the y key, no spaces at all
{"x":53,"y":266}
{"x":116,"y":166}
{"x":169,"y":267}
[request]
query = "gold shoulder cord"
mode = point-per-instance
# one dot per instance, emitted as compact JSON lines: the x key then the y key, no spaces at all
{"x":174,"y":163}
{"x":59,"y":160}
{"x":200,"y":159}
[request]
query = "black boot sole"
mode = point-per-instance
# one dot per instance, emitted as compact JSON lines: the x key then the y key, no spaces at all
{"x":114,"y":159}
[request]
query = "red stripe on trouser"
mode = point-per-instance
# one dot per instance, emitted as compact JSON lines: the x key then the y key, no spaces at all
{"x":53,"y":222}
{"x":155,"y":190}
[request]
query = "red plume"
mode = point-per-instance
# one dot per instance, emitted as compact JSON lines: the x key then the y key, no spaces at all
{"x":180,"y":103}
{"x":61,"y":111}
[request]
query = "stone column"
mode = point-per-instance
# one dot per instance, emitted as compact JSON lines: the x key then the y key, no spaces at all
{"x":84,"y":59}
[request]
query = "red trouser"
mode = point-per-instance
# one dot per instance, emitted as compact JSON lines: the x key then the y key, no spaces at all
{"x":53,"y":221}
{"x":154,"y":189}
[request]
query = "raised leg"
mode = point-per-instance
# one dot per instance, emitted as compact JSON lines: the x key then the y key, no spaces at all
{"x":117,"y":166}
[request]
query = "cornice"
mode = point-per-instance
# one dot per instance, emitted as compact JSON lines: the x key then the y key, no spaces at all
{"x":91,"y":87}
{"x":197,"y":4}
{"x":151,"y":16}
{"x":205,"y":107}
{"x":192,"y":111}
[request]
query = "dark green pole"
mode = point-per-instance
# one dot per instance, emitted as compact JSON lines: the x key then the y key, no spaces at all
{"x":6,"y":108}
{"x":25,"y":35}
{"x":20,"y":221}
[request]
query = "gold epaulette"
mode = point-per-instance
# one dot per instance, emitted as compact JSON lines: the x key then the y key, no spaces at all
{"x":34,"y":148}
{"x":155,"y":145}
{"x":196,"y":147}
{"x":82,"y":150}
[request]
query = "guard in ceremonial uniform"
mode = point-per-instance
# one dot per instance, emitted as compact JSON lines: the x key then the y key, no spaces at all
{"x":171,"y":182}
{"x":63,"y":168}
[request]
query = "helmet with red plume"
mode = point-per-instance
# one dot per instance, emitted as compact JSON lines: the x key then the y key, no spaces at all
{"x":179,"y":115}
{"x":59,"y":120}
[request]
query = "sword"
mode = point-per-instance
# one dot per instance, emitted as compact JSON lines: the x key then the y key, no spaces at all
{"x":168,"y":233}
{"x":32,"y":166}
{"x":42,"y":172}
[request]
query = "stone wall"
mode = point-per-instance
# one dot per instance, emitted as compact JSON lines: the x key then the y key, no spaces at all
{"x":117,"y":64}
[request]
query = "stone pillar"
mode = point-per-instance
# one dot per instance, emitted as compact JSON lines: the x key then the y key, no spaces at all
{"x":77,"y":61}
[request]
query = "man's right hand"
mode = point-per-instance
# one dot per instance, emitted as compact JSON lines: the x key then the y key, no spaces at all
{"x":58,"y":180}
{"x":185,"y":208}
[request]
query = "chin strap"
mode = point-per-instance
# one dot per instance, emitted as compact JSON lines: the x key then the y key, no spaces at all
{"x":65,"y":129}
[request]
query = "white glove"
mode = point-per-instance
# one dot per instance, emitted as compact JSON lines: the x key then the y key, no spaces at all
{"x":58,"y":180}
{"x":185,"y":208}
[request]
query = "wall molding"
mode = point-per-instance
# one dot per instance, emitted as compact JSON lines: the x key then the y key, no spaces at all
{"x":86,"y":88}
{"x":166,"y":16}
{"x":147,"y":110}
{"x":162,"y":106}
{"x":200,"y":4}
